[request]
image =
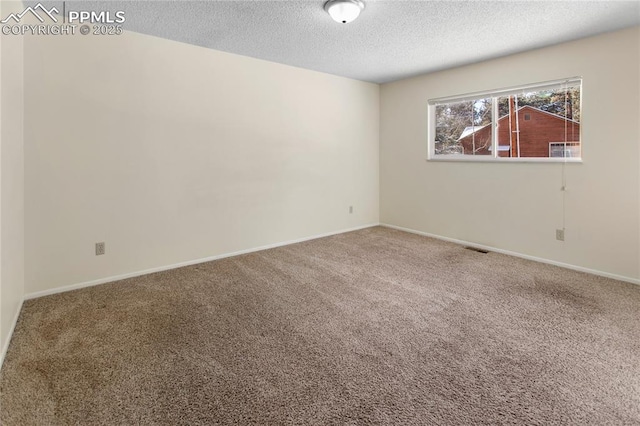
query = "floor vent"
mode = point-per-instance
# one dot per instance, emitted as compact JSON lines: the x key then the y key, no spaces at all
{"x":477,"y":249}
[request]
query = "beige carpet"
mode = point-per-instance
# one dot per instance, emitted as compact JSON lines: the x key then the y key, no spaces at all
{"x":371,"y":327}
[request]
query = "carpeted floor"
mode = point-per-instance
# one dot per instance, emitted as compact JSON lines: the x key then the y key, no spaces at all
{"x":370,"y":327}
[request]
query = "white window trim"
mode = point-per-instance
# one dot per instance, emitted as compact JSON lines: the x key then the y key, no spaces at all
{"x":494,"y":157}
{"x":489,"y":159}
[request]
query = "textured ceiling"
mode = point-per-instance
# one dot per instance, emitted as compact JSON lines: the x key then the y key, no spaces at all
{"x":389,"y":41}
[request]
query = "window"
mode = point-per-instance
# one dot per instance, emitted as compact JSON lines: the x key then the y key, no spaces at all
{"x":535,"y":122}
{"x":467,"y":121}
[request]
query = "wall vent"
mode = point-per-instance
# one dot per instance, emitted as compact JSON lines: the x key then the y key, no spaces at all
{"x":477,"y":249}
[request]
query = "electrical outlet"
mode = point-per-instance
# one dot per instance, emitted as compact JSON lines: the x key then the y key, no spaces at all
{"x":560,"y":234}
{"x":99,"y":248}
{"x":350,"y":209}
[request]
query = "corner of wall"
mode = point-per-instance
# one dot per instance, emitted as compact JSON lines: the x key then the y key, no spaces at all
{"x":11,"y":180}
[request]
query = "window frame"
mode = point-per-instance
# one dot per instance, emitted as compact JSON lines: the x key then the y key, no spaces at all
{"x":495,"y":94}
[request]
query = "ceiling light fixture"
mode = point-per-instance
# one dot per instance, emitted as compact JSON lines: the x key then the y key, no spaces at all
{"x":344,"y":11}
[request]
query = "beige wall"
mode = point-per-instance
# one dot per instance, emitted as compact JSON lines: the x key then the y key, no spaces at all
{"x":517,"y":207}
{"x":11,"y":179}
{"x":170,"y":152}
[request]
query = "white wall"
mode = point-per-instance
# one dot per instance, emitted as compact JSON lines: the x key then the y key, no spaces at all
{"x":517,"y":207}
{"x":11,"y":180}
{"x":170,"y":152}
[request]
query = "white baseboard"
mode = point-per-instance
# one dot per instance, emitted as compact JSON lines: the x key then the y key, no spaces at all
{"x":182,"y":264}
{"x":520,"y":255}
{"x":71,"y":287}
{"x":5,"y":344}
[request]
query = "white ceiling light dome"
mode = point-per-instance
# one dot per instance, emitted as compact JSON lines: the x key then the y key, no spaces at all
{"x":344,"y":11}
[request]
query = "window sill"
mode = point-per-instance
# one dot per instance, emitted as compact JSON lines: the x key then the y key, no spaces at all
{"x":488,"y":159}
